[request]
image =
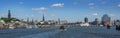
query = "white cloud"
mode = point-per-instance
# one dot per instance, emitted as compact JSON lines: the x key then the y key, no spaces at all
{"x":41,"y":8}
{"x":91,"y":4}
{"x":21,"y":2}
{"x":118,"y":5}
{"x":58,"y":5}
{"x":95,"y":14}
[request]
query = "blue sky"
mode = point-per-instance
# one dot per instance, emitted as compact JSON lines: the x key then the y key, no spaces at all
{"x":71,"y":10}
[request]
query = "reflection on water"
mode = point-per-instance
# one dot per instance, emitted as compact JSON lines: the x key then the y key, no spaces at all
{"x":32,"y":26}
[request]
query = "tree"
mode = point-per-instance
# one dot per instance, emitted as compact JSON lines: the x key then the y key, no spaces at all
{"x":9,"y":19}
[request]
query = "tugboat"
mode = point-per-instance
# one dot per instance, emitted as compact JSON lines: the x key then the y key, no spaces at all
{"x":84,"y":24}
{"x":62,"y":28}
{"x":117,"y":24}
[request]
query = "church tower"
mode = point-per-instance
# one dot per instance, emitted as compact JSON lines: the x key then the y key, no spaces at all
{"x":9,"y":14}
{"x":43,"y":19}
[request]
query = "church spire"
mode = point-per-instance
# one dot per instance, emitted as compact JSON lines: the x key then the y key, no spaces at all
{"x":9,"y":14}
{"x":43,"y":19}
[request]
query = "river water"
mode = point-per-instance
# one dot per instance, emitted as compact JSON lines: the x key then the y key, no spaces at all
{"x":70,"y":32}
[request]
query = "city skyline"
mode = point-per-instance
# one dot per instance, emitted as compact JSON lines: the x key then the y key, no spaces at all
{"x":71,"y":10}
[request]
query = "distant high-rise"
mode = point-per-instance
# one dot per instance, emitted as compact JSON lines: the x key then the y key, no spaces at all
{"x":58,"y":20}
{"x":96,"y":19}
{"x":85,"y":19}
{"x":105,"y":19}
{"x":9,"y":14}
{"x":96,"y":22}
{"x":27,"y":19}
